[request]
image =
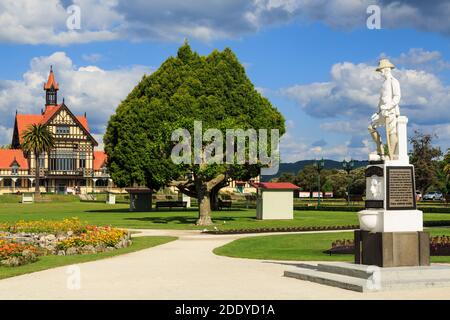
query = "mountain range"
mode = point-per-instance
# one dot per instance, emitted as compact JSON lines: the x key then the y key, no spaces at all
{"x":295,"y":167}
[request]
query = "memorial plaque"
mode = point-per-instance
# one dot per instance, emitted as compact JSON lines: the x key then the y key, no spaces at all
{"x":400,"y":188}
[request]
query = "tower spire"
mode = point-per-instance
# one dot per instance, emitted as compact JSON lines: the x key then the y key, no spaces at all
{"x":51,"y":88}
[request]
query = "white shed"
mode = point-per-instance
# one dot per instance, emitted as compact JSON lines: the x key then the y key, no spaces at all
{"x":275,"y":200}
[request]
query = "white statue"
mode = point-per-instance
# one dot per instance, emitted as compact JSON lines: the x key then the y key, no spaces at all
{"x":388,"y":112}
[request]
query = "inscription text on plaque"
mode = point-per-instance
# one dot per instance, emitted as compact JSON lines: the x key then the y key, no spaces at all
{"x":400,"y":188}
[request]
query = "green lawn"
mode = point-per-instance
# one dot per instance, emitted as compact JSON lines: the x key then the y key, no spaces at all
{"x":298,"y":247}
{"x":119,"y":216}
{"x":47,"y":262}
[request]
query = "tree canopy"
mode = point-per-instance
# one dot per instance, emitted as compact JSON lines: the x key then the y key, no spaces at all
{"x":213,"y":89}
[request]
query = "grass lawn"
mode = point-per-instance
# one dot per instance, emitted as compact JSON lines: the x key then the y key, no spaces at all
{"x":119,"y":216}
{"x":299,"y":247}
{"x":47,"y":262}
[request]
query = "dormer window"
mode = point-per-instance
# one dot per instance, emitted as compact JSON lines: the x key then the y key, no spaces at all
{"x":62,"y":130}
{"x":104,"y":170}
{"x":15,"y":169}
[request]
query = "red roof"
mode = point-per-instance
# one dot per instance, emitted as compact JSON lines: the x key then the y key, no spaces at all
{"x":8,"y":156}
{"x":24,"y":121}
{"x":51,"y":81}
{"x":276,"y":185}
{"x":99,"y":159}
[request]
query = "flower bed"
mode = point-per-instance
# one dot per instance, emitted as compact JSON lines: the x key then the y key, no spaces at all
{"x":73,"y":225}
{"x":96,"y":239}
{"x":344,"y":246}
{"x":16,"y":254}
{"x":24,"y":241}
{"x":440,"y":246}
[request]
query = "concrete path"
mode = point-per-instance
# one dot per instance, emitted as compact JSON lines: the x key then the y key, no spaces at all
{"x":184,"y":269}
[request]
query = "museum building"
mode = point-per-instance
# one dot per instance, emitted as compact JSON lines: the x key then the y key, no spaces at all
{"x":72,"y":166}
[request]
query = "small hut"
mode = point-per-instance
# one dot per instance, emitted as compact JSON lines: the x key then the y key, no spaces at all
{"x":275,"y":200}
{"x":140,"y":199}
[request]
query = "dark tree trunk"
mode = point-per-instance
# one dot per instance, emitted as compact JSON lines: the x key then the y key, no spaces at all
{"x":37,"y":189}
{"x":204,"y":208}
{"x":204,"y":189}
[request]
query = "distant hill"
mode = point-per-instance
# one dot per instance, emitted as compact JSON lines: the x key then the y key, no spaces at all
{"x":295,"y":167}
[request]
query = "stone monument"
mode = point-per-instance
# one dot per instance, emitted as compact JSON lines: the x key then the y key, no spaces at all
{"x":391,"y":232}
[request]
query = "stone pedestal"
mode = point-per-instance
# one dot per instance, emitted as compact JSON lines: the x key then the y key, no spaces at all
{"x":391,"y":232}
{"x":392,"y":249}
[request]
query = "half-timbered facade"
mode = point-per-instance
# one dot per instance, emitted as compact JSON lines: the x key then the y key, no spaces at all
{"x":72,"y":166}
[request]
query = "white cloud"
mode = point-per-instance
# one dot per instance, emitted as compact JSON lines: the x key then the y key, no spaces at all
{"x":36,"y":22}
{"x":5,"y":135}
{"x":33,"y":22}
{"x":93,"y":57}
{"x":85,"y":89}
{"x":353,"y":92}
{"x":293,"y":149}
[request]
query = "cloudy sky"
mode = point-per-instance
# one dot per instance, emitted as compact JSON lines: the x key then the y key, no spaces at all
{"x":314,"y":59}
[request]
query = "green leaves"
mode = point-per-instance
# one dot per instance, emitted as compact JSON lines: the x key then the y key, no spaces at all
{"x":186,"y":88}
{"x":37,"y":138}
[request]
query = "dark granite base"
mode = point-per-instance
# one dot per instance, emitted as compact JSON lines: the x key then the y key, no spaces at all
{"x":392,"y":249}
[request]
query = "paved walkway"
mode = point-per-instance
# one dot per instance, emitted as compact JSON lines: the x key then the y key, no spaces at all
{"x":185,"y":269}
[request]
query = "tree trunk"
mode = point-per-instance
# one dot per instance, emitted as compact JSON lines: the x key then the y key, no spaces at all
{"x":214,"y":200}
{"x":204,"y":208}
{"x":37,"y":189}
{"x":204,"y":201}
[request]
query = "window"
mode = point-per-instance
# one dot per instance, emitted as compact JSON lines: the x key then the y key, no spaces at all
{"x":7,"y":182}
{"x":15,"y":169}
{"x":101,"y":183}
{"x":104,"y":170}
{"x":42,"y":161}
{"x":82,"y":160}
{"x":62,"y":160}
{"x":62,"y":130}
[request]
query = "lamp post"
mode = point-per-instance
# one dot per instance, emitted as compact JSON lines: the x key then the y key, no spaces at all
{"x":348,"y":167}
{"x":319,"y":166}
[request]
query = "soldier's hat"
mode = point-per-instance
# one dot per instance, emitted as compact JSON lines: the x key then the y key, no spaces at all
{"x":384,"y":63}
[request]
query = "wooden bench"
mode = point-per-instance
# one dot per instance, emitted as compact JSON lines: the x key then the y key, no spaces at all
{"x":27,"y":197}
{"x":224,"y":204}
{"x":171,"y":204}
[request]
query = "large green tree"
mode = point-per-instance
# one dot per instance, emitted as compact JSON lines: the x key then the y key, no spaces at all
{"x":423,"y":157}
{"x":187,"y":88}
{"x":37,"y":139}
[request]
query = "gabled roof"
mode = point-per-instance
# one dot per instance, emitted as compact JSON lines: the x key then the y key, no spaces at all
{"x":100,"y":158}
{"x":51,"y":82}
{"x":24,"y":121}
{"x":9,"y":156}
{"x":275,"y":186}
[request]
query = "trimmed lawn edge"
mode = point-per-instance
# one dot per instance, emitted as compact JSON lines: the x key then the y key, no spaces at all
{"x":282,"y":229}
{"x":52,"y":261}
{"x":298,"y":247}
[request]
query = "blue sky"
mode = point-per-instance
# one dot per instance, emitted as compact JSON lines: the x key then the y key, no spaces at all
{"x":313,"y":59}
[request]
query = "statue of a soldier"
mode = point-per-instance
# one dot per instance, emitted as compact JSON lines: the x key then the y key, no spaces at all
{"x":388,"y":111}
